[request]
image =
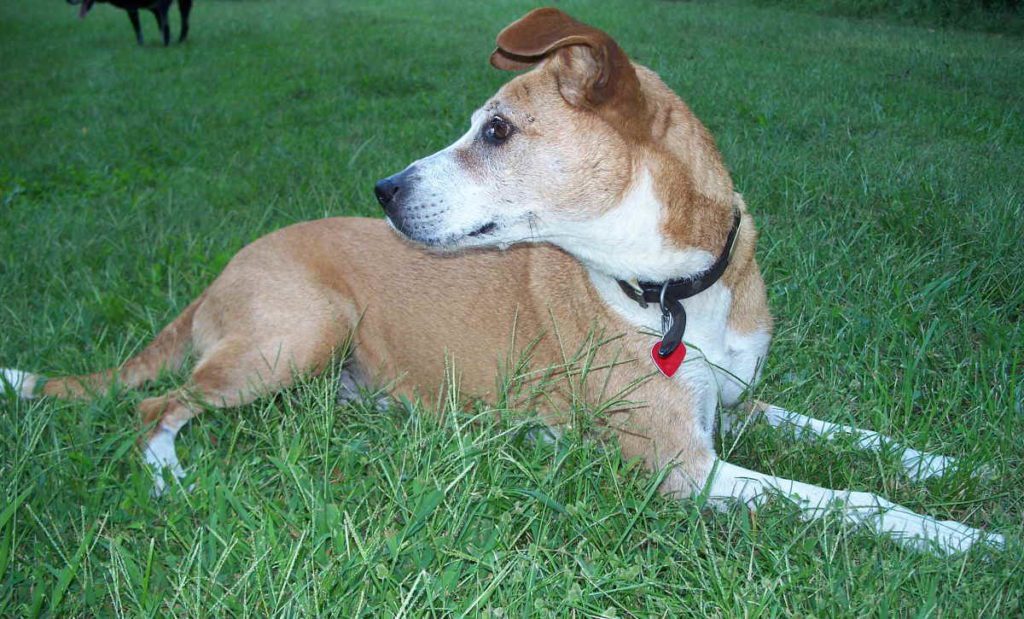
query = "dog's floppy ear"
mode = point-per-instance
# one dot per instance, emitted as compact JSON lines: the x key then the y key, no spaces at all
{"x":592,"y":68}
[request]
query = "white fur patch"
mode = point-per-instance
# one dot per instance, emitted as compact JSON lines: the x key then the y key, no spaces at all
{"x":746,"y":354}
{"x":729,"y":481}
{"x":160,"y":455}
{"x":627,"y":241}
{"x":22,"y":383}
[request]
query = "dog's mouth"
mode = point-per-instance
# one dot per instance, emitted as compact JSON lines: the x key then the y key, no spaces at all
{"x":456,"y":241}
{"x":484,"y":235}
{"x":444,"y":243}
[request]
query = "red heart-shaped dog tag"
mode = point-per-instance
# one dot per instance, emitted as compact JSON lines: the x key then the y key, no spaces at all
{"x":670,"y":364}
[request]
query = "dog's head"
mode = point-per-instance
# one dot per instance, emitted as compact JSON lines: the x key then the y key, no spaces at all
{"x":83,"y":10}
{"x":563,"y":153}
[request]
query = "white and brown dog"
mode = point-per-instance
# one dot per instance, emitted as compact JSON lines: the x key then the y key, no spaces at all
{"x":625,"y":223}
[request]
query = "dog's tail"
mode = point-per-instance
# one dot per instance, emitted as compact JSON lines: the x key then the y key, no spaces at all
{"x":167,"y":351}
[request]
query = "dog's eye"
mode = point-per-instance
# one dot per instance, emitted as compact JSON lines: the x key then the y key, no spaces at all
{"x":497,"y":130}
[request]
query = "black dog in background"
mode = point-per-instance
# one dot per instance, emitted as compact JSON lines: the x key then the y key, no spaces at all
{"x":158,"y":7}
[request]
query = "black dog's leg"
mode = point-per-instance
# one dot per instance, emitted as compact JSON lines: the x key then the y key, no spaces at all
{"x":184,"y":7}
{"x":133,"y":14}
{"x":160,"y":12}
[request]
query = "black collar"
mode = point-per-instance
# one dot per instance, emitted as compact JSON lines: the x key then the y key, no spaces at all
{"x":665,"y":293}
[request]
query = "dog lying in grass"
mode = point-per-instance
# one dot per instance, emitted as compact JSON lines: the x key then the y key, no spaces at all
{"x":586,"y":208}
{"x":159,"y":9}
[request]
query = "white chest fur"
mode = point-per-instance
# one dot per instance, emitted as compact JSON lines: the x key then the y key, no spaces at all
{"x":720,"y":363}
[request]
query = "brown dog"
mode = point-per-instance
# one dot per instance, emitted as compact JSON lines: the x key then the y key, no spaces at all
{"x":649,"y":257}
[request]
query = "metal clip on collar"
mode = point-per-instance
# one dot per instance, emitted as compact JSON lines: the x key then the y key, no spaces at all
{"x":673,"y":323}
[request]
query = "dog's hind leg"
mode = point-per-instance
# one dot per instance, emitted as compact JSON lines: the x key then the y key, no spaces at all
{"x":184,"y":8}
{"x":234,"y":371}
{"x":160,"y":12}
{"x":133,"y":15}
{"x":728,"y":481}
{"x":251,"y":341}
{"x":918,"y":465}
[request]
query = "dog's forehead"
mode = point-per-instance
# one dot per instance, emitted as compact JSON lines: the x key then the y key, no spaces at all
{"x":532,"y":93}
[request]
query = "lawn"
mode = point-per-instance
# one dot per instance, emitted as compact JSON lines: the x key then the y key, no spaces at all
{"x":883,"y":164}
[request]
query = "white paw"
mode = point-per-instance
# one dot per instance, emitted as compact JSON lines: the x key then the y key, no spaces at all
{"x":160,"y":472}
{"x":160,"y":456}
{"x":955,"y":537}
{"x":23,"y":384}
{"x":921,"y":466}
{"x":925,"y":533}
{"x":544,"y":434}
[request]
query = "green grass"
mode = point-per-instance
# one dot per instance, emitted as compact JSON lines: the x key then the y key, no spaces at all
{"x":1002,"y":16}
{"x":883,"y":164}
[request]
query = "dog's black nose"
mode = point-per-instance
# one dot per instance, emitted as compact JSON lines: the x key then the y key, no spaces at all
{"x":386,"y":189}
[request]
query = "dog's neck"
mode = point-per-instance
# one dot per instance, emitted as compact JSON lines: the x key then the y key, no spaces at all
{"x":627,"y":242}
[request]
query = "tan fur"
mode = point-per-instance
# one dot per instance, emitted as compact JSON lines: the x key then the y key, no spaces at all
{"x":749,"y":311}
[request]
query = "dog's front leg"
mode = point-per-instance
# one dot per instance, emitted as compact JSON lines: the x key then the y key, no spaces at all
{"x":670,"y":440}
{"x":918,"y":465}
{"x":133,"y":15}
{"x":728,"y":481}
